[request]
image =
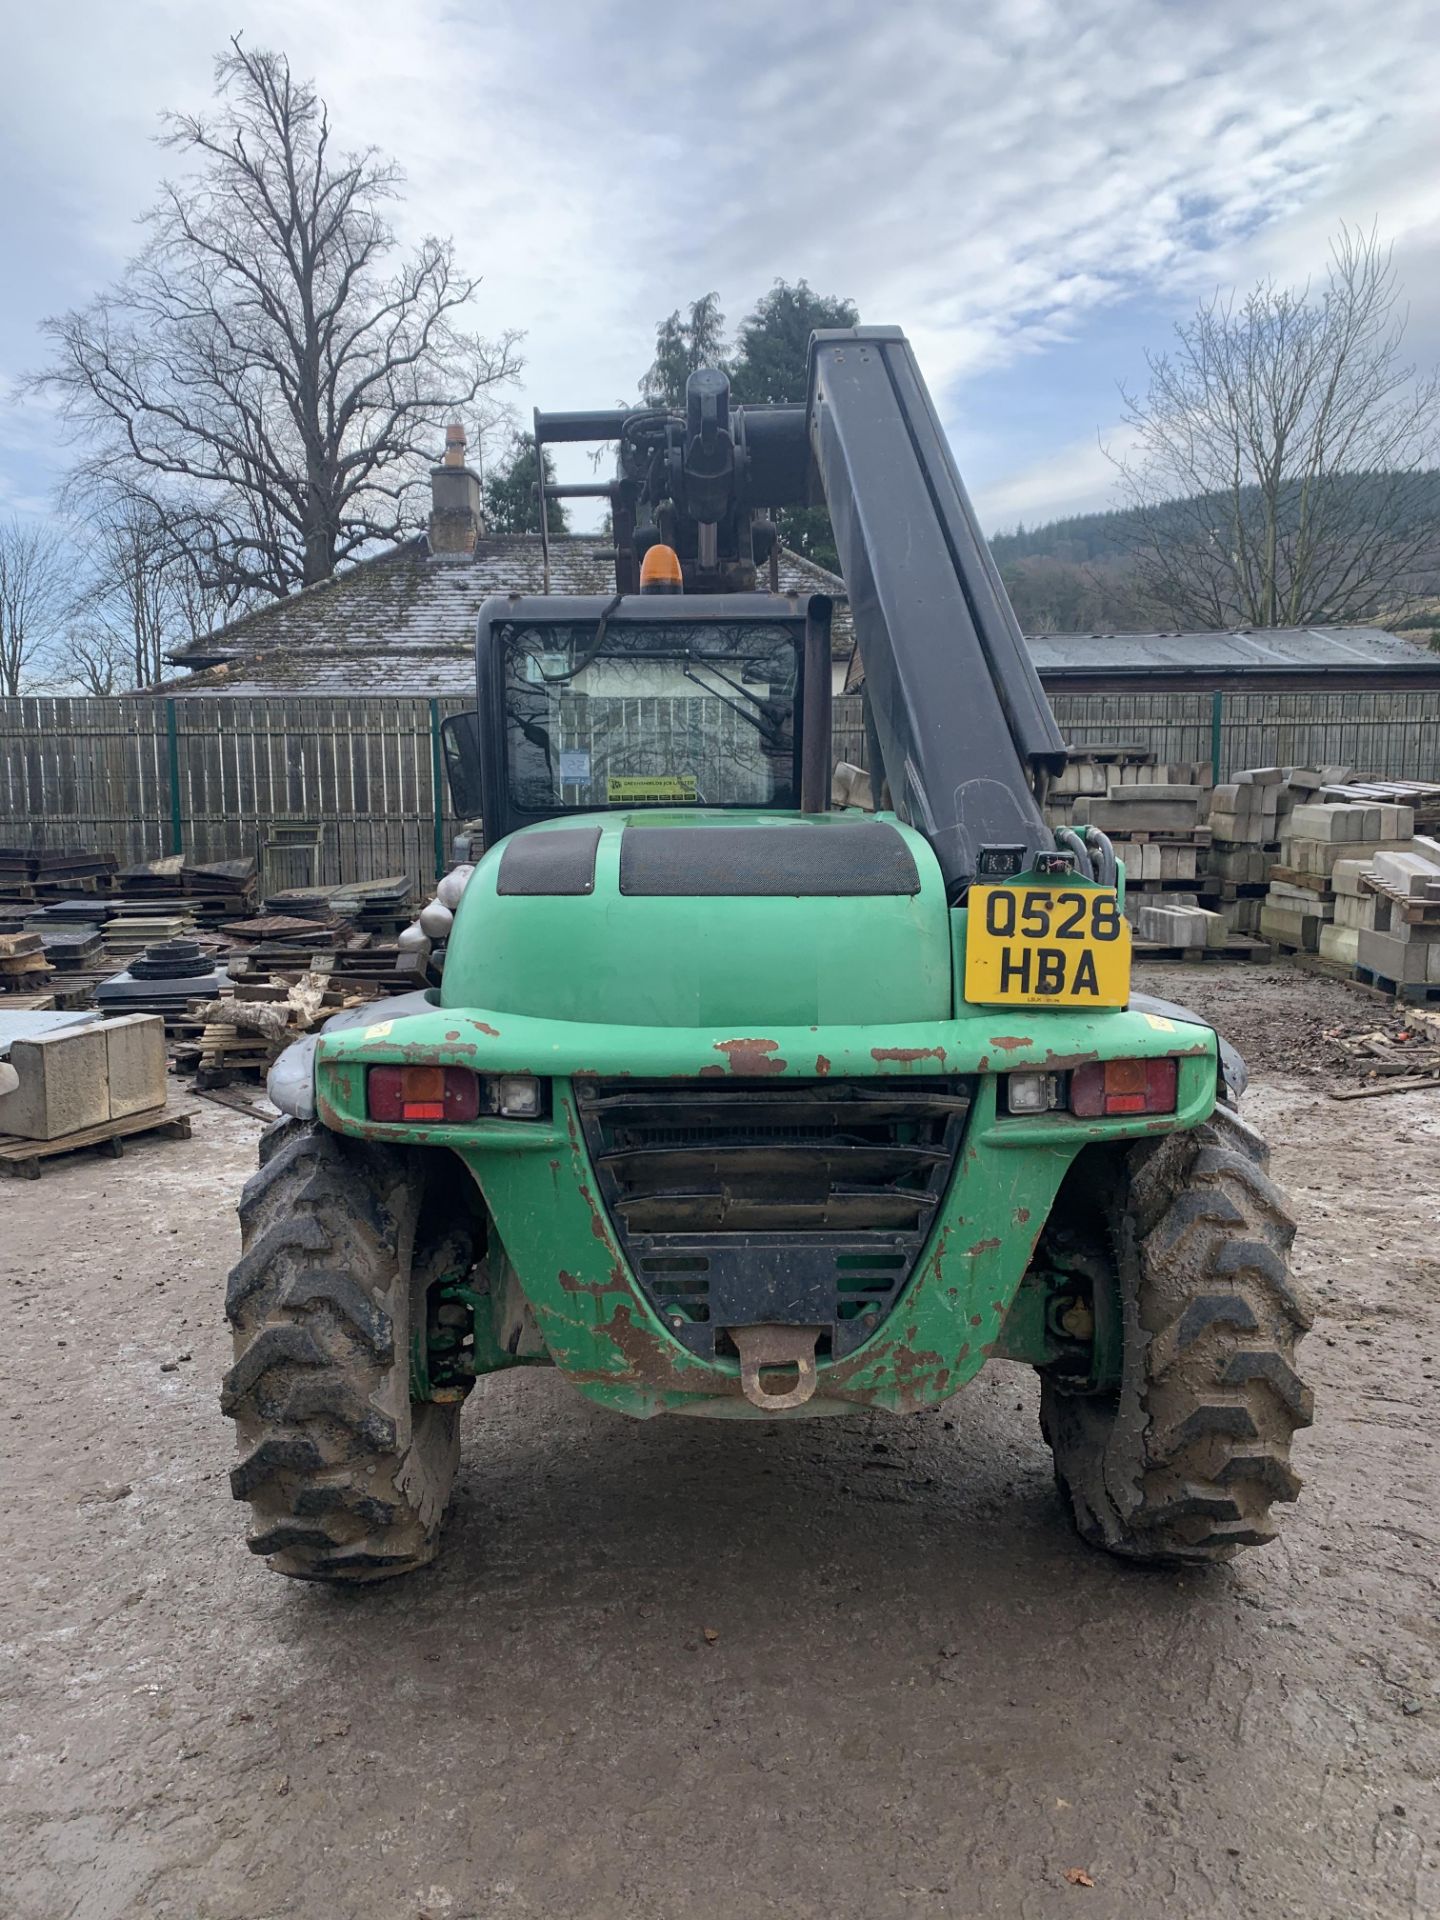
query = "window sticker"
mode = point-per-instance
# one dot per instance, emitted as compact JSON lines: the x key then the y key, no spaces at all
{"x":574,"y":766}
{"x":662,"y":786}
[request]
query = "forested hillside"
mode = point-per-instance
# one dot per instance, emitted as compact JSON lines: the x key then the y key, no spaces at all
{"x":1075,"y":575}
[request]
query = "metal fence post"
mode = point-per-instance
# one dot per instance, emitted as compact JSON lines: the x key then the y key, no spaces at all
{"x":1217,"y":716}
{"x":437,"y":791}
{"x":177,"y":840}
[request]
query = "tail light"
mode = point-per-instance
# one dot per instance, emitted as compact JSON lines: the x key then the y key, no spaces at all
{"x":1110,"y":1088}
{"x":422,"y":1093}
{"x":451,"y":1094}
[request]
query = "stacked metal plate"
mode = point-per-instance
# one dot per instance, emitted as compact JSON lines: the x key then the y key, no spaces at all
{"x":164,"y":979}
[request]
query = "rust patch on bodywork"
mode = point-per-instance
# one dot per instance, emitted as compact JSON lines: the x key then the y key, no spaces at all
{"x":751,"y":1056}
{"x":595,"y":1288}
{"x":597,"y":1217}
{"x":483,"y":1026}
{"x":822,"y":1065}
{"x":1020,"y":1216}
{"x":1008,"y":1042}
{"x":983,"y":1246}
{"x":907,"y":1056}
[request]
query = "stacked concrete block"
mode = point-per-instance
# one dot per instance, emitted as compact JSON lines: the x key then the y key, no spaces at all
{"x":1402,"y":944}
{"x":1247,"y":811}
{"x":63,"y":1087}
{"x":76,"y":1078}
{"x":1407,"y":873}
{"x":1174,"y":925}
{"x":1153,"y":811}
{"x":1354,"y":913}
{"x":135,"y":1063}
{"x":1326,"y":834}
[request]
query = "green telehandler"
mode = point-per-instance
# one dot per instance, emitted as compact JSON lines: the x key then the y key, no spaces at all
{"x":736,"y":1104}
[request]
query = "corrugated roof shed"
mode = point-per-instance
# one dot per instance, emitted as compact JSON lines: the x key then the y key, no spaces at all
{"x":404,"y":622}
{"x":1255,"y":658}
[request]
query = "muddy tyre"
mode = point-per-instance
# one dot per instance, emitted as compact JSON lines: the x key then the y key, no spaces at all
{"x":1184,"y":1463}
{"x":346,"y":1477}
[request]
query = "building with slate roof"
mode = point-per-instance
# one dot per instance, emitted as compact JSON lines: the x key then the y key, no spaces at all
{"x":403,"y":622}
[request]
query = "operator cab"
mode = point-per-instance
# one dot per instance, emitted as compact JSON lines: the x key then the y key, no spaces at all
{"x":650,"y":700}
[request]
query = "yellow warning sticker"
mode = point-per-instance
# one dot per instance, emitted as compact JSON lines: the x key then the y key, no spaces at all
{"x":380,"y":1031}
{"x":628,"y":790}
{"x":1160,"y":1023}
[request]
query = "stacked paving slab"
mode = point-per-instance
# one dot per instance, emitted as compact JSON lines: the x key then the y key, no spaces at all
{"x":1154,"y":812}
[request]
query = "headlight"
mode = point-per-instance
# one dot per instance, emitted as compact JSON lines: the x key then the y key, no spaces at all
{"x":1032,"y":1092}
{"x":519,"y":1096}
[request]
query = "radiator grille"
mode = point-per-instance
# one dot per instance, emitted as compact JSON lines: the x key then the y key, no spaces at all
{"x":805,"y":1204}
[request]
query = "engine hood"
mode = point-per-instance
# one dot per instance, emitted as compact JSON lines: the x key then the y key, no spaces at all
{"x":696,"y":918}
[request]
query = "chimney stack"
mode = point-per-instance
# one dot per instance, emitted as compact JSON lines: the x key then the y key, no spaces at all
{"x":456,"y":518}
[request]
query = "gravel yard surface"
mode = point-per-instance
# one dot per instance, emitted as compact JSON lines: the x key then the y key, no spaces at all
{"x":855,"y":1669}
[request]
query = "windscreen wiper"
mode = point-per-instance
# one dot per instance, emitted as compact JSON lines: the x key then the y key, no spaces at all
{"x":769,"y":722}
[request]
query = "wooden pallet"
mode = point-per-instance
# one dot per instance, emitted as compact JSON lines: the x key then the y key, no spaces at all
{"x":1310,"y":962}
{"x":22,"y":1157}
{"x":1238,"y":947}
{"x":1413,"y":912}
{"x":1319,"y":883}
{"x":1416,"y":993}
{"x":1210,"y":888}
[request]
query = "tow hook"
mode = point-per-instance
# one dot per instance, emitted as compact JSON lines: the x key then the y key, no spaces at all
{"x":771,"y":1346}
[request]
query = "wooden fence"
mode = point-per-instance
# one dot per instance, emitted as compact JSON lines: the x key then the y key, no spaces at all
{"x":318,"y":790}
{"x":323,"y":790}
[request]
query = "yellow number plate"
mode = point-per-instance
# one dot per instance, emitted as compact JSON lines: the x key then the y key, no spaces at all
{"x":1046,"y":947}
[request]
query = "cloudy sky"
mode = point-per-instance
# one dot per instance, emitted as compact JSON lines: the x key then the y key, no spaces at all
{"x":1034,"y":189}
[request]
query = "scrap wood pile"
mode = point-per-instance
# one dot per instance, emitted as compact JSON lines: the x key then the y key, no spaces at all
{"x":1401,"y":1058}
{"x":23,"y":964}
{"x":241,"y":1032}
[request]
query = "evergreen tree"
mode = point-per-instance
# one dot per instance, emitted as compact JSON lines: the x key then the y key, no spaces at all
{"x":772,"y":365}
{"x":510,"y":502}
{"x":684,"y":342}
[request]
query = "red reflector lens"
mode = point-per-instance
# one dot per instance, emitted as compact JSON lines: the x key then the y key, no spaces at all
{"x":447,"y":1094}
{"x":1112,"y":1088}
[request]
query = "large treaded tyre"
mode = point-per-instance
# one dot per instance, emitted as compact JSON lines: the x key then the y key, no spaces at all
{"x":347,"y":1479}
{"x":1185,"y":1462}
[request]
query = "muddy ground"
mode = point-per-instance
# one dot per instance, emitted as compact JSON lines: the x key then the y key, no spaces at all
{"x":857,"y":1668}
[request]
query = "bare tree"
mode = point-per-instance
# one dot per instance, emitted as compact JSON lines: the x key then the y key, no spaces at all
{"x":34,"y":599}
{"x":91,"y":657}
{"x":266,"y":376}
{"x":143,"y":596}
{"x":1279,"y":449}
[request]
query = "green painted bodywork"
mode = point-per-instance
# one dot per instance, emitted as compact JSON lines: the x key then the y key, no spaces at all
{"x":610,"y":959}
{"x":606,"y":985}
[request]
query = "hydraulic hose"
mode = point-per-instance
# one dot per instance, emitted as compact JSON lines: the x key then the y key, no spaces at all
{"x":1106,"y":866}
{"x":1069,"y":841}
